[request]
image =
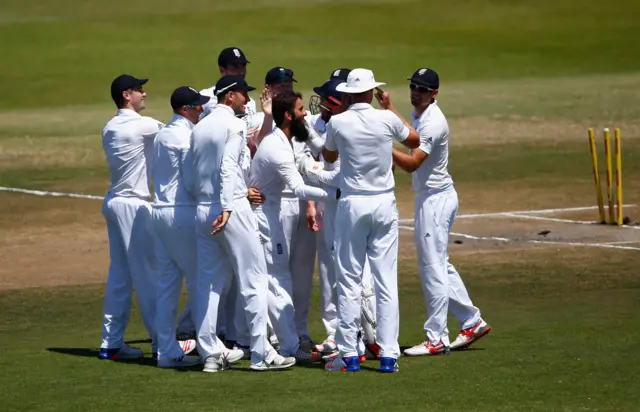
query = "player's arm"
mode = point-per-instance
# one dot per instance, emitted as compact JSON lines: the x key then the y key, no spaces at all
{"x":228,"y":175}
{"x":151,"y":127}
{"x":330,"y":149}
{"x":314,"y":170}
{"x":412,"y":139}
{"x":292,"y":178}
{"x":267,"y":122}
{"x":409,"y":162}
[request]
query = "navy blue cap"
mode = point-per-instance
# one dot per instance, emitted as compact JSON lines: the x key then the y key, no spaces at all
{"x":340,"y":74}
{"x":427,"y":78}
{"x":232,"y":84}
{"x":279,"y":75}
{"x":187,"y":96}
{"x":328,"y":89}
{"x":125,"y":82}
{"x":231,"y":55}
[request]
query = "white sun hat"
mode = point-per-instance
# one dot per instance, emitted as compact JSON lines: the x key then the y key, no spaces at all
{"x":359,"y":81}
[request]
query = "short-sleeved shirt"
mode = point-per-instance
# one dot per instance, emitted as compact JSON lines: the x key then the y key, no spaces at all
{"x":364,"y":138}
{"x":127,"y":140}
{"x":171,"y":146}
{"x":434,"y":140}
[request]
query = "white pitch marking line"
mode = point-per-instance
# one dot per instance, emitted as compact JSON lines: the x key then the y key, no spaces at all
{"x":549,"y":219}
{"x":46,"y":193}
{"x":543,"y":242}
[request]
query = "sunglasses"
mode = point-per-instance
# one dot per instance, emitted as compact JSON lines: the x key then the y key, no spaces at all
{"x":192,"y":106}
{"x":420,"y":88}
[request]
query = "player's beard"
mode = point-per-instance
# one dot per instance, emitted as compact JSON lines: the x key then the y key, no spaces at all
{"x":299,"y":131}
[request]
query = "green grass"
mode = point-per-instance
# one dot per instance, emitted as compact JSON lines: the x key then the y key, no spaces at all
{"x":520,"y":83}
{"x":561,"y":341}
{"x":67,"y":53}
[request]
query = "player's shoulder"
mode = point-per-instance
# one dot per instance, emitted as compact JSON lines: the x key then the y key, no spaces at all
{"x":151,"y":124}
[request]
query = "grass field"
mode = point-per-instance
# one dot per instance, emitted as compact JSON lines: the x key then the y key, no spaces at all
{"x":520,"y":83}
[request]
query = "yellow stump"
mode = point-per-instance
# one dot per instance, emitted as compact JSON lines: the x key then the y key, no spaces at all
{"x":607,"y":156}
{"x":596,"y":175}
{"x":619,"y":217}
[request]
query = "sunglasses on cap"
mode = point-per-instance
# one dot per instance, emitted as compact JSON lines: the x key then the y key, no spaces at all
{"x":284,"y":74}
{"x":419,"y":87}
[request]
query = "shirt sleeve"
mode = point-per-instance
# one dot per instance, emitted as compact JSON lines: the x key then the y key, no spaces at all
{"x":289,"y":173}
{"x":330,"y":143}
{"x":151,"y":127}
{"x":398,"y":130}
{"x":427,"y":137}
{"x":231,"y":160}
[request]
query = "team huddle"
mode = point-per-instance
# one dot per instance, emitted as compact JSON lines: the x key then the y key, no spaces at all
{"x":245,"y":200}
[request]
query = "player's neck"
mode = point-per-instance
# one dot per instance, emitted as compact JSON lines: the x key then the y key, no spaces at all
{"x":287,"y":132}
{"x":421,"y":108}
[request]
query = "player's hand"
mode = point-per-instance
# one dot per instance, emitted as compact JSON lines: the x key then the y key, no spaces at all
{"x":251,"y":135}
{"x":255,"y":197}
{"x":311,"y":217}
{"x":220,"y":222}
{"x":384,"y":99}
{"x":265,"y":101}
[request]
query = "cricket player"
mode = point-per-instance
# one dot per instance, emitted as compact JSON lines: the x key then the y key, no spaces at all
{"x":174,"y":211}
{"x":231,"y":61}
{"x":367,"y":217}
{"x":436,"y":204}
{"x":227,"y":234}
{"x":273,"y":168}
{"x":127,"y":140}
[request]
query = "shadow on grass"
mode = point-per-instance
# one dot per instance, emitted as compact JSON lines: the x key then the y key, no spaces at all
{"x":93,"y":353}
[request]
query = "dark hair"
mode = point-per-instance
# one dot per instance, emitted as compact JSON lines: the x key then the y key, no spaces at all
{"x":283,"y":103}
{"x":118,"y":99}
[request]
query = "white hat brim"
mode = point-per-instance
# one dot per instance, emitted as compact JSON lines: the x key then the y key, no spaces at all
{"x":344,"y":87}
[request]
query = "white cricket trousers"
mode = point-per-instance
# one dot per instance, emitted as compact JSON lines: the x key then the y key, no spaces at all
{"x":368,"y":228}
{"x":236,"y":250}
{"x":176,"y":259}
{"x":326,"y":265}
{"x":281,"y":312}
{"x":132,"y":265}
{"x":301,"y":245}
{"x":441,"y":284}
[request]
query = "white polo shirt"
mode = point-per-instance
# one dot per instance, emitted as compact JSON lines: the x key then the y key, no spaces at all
{"x":127,"y":140}
{"x":433,"y":128}
{"x":217,"y":150}
{"x":170,"y":150}
{"x":273,"y":167}
{"x":364,"y":137}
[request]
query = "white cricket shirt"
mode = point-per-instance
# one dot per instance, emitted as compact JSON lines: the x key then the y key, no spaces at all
{"x":364,"y":137}
{"x":170,"y":150}
{"x":127,"y":140}
{"x":273,"y":167}
{"x":216,"y":156}
{"x":433,"y":128}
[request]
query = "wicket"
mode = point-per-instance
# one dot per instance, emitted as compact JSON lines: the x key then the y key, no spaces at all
{"x":615,"y":217}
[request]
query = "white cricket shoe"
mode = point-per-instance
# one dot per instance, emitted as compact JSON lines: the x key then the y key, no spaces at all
{"x":328,"y":346}
{"x":280,"y":362}
{"x":181,"y":362}
{"x":215,"y":364}
{"x":188,"y":345}
{"x":335,"y":365}
{"x":233,"y":355}
{"x":426,"y":348}
{"x":246,"y":350}
{"x":470,"y":335}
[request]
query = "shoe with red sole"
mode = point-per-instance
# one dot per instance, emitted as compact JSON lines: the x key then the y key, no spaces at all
{"x":470,"y":335}
{"x":427,"y":348}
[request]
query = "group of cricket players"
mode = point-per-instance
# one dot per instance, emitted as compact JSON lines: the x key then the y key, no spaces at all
{"x":245,"y":200}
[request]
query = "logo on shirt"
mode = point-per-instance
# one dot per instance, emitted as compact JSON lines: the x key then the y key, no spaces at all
{"x":160,"y":125}
{"x":236,"y":52}
{"x":430,"y":140}
{"x":427,"y":235}
{"x":280,"y":249}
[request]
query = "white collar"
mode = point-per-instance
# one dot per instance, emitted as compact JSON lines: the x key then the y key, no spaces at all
{"x":127,"y":112}
{"x":278,"y":132}
{"x":221,"y":106}
{"x":181,"y":120}
{"x":360,"y":106}
{"x":426,"y":111}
